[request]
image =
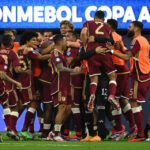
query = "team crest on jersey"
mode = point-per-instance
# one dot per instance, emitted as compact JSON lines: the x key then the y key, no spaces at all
{"x":68,"y":53}
{"x":57,"y":59}
{"x":5,"y":67}
{"x":63,"y":98}
{"x":131,"y":46}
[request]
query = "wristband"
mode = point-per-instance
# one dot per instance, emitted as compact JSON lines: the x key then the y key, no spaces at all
{"x":112,"y":51}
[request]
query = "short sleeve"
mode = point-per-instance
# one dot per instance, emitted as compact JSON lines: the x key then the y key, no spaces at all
{"x":56,"y":58}
{"x":33,"y":55}
{"x":85,"y":25}
{"x":134,"y":48}
{"x":15,"y":59}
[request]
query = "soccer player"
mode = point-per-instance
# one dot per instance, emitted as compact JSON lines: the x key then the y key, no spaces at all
{"x":66,"y":26}
{"x":47,"y":35}
{"x":122,"y":93}
{"x":12,"y":33}
{"x":12,"y":61}
{"x":46,"y":79}
{"x":3,"y":93}
{"x":27,"y":94}
{"x":61,"y":91}
{"x":98,"y":28}
{"x":95,"y":122}
{"x":75,"y":83}
{"x":140,"y":72}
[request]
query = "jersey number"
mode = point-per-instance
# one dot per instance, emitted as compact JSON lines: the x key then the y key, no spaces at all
{"x":5,"y":59}
{"x":98,"y":30}
{"x":24,"y":67}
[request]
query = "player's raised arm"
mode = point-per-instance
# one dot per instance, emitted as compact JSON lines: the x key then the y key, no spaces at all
{"x":129,"y":53}
{"x":46,"y":47}
{"x":84,"y":35}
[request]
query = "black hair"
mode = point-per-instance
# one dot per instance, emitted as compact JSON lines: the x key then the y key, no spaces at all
{"x":58,"y":38}
{"x":14,"y":31}
{"x":27,"y":36}
{"x":99,"y":14}
{"x":138,"y":24}
{"x":6,"y":40}
{"x":113,"y":23}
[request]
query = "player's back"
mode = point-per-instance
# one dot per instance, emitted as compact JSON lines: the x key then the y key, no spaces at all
{"x":8,"y":56}
{"x":97,"y":29}
{"x":24,"y":61}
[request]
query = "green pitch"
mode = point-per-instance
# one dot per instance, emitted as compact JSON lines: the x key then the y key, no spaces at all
{"x":48,"y":145}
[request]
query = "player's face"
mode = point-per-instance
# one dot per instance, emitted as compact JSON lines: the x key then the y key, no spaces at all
{"x":47,"y":35}
{"x":130,"y":32}
{"x":64,"y":29}
{"x":33,"y":42}
{"x":11,"y":34}
{"x":69,"y":37}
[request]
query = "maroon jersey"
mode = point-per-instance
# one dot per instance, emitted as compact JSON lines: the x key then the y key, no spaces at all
{"x":97,"y":29}
{"x":61,"y":80}
{"x":137,"y":74}
{"x":72,"y":56}
{"x":47,"y":73}
{"x":3,"y":67}
{"x":26,"y":63}
{"x":12,"y":61}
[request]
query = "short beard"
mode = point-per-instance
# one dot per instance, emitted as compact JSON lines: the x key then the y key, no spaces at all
{"x":130,"y":34}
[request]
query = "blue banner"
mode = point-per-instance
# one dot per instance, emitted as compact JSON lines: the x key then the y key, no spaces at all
{"x":49,"y":13}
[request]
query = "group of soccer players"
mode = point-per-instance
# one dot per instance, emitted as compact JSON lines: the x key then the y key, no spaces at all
{"x":86,"y":79}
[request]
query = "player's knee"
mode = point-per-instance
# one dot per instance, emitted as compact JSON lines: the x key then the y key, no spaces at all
{"x":135,"y":104}
{"x":112,"y":76}
{"x":62,"y":107}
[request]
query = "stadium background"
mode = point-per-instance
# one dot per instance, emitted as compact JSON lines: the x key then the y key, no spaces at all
{"x":114,"y":8}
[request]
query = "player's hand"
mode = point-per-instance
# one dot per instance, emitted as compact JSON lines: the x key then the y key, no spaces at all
{"x":91,"y":39}
{"x":100,"y":50}
{"x":27,"y":50}
{"x":117,"y":45}
{"x":109,"y":45}
{"x":51,"y":46}
{"x":2,"y":75}
{"x":29,"y":72}
{"x":19,"y":85}
{"x":69,"y":60}
{"x":122,"y":46}
{"x":77,"y":70}
{"x":68,"y":43}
